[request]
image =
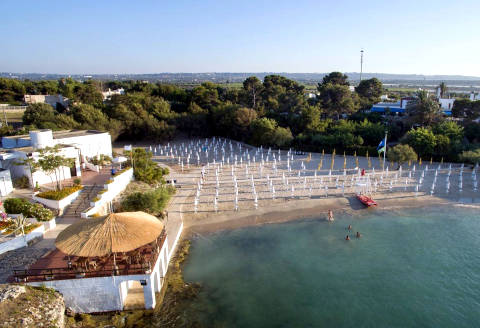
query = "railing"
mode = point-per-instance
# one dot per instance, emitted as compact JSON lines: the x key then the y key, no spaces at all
{"x":69,"y":272}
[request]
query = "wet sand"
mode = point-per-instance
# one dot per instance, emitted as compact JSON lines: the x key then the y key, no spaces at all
{"x":291,"y":210}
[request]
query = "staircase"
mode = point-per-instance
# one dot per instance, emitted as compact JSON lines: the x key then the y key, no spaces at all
{"x":82,"y":202}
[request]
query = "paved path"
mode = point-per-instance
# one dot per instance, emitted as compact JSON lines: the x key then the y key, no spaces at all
{"x":48,"y":241}
{"x":184,"y":185}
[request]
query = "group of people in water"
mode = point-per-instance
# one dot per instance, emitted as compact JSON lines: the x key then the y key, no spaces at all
{"x":358,"y":234}
{"x":349,"y":228}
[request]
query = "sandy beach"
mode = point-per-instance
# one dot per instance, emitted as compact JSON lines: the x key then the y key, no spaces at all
{"x":233,"y":185}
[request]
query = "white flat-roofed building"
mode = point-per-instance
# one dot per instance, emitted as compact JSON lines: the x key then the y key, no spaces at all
{"x":474,"y":96}
{"x":79,"y":145}
{"x":109,"y":93}
{"x":52,"y":100}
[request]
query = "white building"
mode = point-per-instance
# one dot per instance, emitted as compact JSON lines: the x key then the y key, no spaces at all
{"x":6,"y":185}
{"x":108,"y":94}
{"x":446,"y":104}
{"x":80,"y":145}
{"x":52,"y":100}
{"x":474,"y":96}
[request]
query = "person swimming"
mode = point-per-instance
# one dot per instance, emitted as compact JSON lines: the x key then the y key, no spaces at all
{"x":358,"y":234}
{"x":349,"y":227}
{"x":347,"y":238}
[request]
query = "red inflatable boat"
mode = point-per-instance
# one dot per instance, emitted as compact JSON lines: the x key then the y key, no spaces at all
{"x":367,"y":201}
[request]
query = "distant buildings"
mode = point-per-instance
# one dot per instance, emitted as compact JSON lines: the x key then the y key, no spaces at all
{"x":80,"y":145}
{"x":474,"y":96}
{"x":392,"y":107}
{"x":399,"y":107}
{"x":107,"y":95}
{"x":52,"y":100}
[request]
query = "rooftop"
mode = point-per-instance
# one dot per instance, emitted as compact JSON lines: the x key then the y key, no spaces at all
{"x":63,"y":134}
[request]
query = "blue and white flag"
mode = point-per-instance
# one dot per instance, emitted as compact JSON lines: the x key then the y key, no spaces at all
{"x":381,"y":146}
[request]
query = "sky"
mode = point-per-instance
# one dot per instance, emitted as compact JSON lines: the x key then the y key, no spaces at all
{"x":99,"y":37}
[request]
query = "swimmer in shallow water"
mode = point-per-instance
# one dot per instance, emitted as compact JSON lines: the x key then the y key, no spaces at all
{"x":330,"y":215}
{"x":347,"y":238}
{"x":349,"y":227}
{"x":358,"y":234}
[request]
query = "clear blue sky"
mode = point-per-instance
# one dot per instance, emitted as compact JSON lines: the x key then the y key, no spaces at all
{"x":421,"y":36}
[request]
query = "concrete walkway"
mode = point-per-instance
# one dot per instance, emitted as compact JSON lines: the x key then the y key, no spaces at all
{"x":185,"y":183}
{"x":49,"y":237}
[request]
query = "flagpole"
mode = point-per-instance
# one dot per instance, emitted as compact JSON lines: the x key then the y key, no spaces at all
{"x":385,"y":150}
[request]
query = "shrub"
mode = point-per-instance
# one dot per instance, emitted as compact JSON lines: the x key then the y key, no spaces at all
{"x":16,"y":205}
{"x":22,"y":182}
{"x":401,"y":154}
{"x":471,"y":156}
{"x":151,"y":202}
{"x":77,"y":181}
{"x":23,"y":206}
{"x":59,"y":194}
{"x":41,"y":213}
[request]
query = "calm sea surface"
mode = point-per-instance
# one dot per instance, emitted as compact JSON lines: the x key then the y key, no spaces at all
{"x":415,"y":268}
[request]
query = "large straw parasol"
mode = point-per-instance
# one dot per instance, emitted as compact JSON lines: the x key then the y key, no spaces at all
{"x":116,"y":232}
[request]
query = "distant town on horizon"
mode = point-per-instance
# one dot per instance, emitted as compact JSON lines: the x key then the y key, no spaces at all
{"x":231,"y":77}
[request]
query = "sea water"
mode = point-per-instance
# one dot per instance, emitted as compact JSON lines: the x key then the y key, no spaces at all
{"x":415,"y":268}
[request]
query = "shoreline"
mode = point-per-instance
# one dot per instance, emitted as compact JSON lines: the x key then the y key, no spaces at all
{"x":299,"y":209}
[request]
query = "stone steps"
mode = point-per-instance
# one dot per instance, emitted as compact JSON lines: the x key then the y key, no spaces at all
{"x":82,"y":202}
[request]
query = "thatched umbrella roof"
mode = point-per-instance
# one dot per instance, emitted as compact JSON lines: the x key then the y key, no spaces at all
{"x":116,"y":232}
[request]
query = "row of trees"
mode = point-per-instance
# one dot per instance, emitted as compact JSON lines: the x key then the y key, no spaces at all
{"x":273,"y":112}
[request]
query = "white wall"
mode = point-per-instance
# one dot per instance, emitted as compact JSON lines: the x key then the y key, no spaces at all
{"x":90,"y":145}
{"x":446,"y":104}
{"x":6,"y":185}
{"x":57,"y":204}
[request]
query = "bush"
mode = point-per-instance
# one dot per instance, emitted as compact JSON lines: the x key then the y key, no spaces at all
{"x":59,"y":194}
{"x":39,"y":212}
{"x":401,"y":154}
{"x":77,"y":181}
{"x":16,"y":205}
{"x":152,"y":202}
{"x":23,"y":206}
{"x":22,"y":182}
{"x":471,"y":156}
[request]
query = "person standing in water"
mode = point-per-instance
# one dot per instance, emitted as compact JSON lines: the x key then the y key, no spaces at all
{"x":330,"y":215}
{"x":358,"y":234}
{"x":349,"y":227}
{"x":347,"y":238}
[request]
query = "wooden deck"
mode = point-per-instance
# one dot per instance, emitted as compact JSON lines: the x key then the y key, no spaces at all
{"x":57,"y":265}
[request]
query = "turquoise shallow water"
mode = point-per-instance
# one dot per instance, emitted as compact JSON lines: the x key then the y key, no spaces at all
{"x":417,"y":268}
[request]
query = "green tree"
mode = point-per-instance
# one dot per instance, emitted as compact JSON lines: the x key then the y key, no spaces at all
{"x":281,"y":137}
{"x":401,"y":154}
{"x":370,"y":89}
{"x":422,"y":140}
{"x":52,"y":162}
{"x":39,"y":115}
{"x":337,"y":78}
{"x":336,"y":99}
{"x":262,"y":131}
{"x":424,"y":109}
{"x":145,"y":169}
{"x":252,"y":87}
{"x":443,"y":89}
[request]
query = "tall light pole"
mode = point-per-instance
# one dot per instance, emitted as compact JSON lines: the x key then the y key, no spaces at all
{"x":361,"y":64}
